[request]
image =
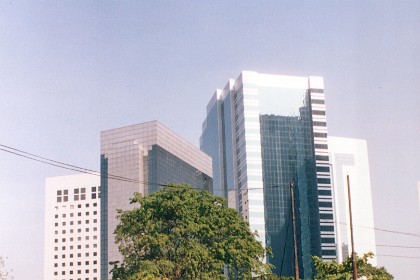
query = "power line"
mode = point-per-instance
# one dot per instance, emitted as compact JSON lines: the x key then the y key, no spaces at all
{"x":71,"y":167}
{"x":395,"y":256}
{"x":387,"y":230}
{"x":76,"y":168}
{"x":393,"y":246}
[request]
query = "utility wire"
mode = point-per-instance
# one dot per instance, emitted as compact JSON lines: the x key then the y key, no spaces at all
{"x":395,"y":256}
{"x":76,"y":168}
{"x":392,"y":246}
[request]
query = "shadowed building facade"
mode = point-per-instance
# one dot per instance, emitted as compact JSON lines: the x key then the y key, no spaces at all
{"x":142,"y":158}
{"x":262,"y":131}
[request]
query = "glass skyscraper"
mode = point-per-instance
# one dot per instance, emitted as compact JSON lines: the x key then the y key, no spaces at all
{"x":141,"y":158}
{"x":262,"y":132}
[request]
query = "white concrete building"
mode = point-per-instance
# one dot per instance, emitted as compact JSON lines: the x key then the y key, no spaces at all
{"x":72,"y":228}
{"x":418,"y":190}
{"x":350,"y":157}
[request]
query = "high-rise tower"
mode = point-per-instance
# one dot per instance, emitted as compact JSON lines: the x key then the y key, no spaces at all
{"x":350,"y":157}
{"x":141,"y":158}
{"x":262,"y":131}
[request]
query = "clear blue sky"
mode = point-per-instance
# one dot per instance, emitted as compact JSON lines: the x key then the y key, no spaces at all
{"x":69,"y":69}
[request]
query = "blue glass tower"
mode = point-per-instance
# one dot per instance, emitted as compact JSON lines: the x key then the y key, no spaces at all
{"x":262,"y":131}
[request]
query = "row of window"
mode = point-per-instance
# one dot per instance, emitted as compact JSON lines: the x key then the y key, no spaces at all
{"x":79,"y":214}
{"x":78,"y":238}
{"x":78,"y":263}
{"x":78,"y":190}
{"x":79,"y":255}
{"x":78,"y":197}
{"x":87,"y":278}
{"x":79,"y":230}
{"x":78,"y":206}
{"x":78,"y":194}
{"x":78,"y":222}
{"x":79,"y":247}
{"x":86,"y":271}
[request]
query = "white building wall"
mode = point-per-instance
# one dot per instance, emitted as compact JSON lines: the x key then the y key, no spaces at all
{"x":72,"y":228}
{"x":418,"y":190}
{"x":350,"y":157}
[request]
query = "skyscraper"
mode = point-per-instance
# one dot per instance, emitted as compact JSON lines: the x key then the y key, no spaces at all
{"x":350,"y":157}
{"x":141,"y":158}
{"x":262,"y":131}
{"x":72,"y":227}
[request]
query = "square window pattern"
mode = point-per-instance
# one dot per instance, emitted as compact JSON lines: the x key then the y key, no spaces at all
{"x":67,"y":232}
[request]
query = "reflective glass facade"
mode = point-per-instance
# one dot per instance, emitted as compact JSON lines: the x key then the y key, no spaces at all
{"x":143,"y":156}
{"x":165,"y":167}
{"x":268,"y":138}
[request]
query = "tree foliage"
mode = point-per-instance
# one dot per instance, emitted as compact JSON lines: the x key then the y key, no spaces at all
{"x":4,"y":273}
{"x":344,"y":271}
{"x":180,"y":233}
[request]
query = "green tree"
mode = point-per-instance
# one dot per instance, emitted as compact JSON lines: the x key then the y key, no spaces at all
{"x":344,"y":271}
{"x":4,"y":274}
{"x":180,"y":233}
